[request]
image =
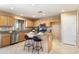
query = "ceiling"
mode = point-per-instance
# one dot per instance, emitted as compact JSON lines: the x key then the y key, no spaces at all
{"x":38,"y":10}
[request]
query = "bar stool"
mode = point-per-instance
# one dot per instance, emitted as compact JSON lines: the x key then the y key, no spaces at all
{"x":37,"y":44}
{"x":28,"y":42}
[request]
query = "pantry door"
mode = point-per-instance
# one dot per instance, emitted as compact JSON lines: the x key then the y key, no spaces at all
{"x":68,"y":28}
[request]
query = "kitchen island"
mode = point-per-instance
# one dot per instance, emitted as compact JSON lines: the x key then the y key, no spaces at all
{"x":47,"y":42}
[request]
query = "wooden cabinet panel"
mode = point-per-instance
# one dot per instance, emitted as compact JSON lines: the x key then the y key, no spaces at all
{"x":3,"y":20}
{"x":28,"y":23}
{"x":10,"y":21}
{"x":21,"y":36}
{"x":37,"y":22}
{"x":42,"y":21}
{"x":45,"y":21}
{"x":5,"y":39}
{"x":6,"y":21}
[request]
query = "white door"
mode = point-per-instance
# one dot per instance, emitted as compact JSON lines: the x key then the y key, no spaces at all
{"x":68,"y":29}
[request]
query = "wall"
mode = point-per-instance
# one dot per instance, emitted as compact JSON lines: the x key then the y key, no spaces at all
{"x":77,"y":28}
{"x":68,"y":27}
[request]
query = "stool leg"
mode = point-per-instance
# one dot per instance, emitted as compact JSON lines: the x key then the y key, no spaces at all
{"x":41,"y":46}
{"x":33,"y":47}
{"x":29,"y":43}
{"x":32,"y":42}
{"x":37,"y":47}
{"x":28,"y":48}
{"x":24,"y":44}
{"x":38,"y":51}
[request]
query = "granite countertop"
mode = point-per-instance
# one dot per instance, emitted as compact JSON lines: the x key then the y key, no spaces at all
{"x":4,"y":31}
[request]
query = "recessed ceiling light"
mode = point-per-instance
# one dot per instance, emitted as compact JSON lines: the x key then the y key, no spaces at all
{"x":33,"y":4}
{"x":33,"y":16}
{"x":40,"y":11}
{"x":11,"y":8}
{"x":21,"y":14}
{"x":63,"y":10}
{"x":44,"y":14}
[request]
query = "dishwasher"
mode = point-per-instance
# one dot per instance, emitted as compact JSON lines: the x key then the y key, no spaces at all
{"x":14,"y":38}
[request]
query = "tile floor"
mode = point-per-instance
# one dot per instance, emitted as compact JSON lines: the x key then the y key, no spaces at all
{"x":58,"y":48}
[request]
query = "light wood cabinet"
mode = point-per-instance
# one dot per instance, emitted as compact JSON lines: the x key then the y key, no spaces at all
{"x":21,"y":36}
{"x":3,"y":20}
{"x":10,"y":21}
{"x":5,"y":39}
{"x":28,"y":23}
{"x":37,"y":22}
{"x":6,"y":21}
{"x":44,"y":21}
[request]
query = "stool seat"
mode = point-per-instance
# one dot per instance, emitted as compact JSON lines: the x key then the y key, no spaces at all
{"x":29,"y":38}
{"x":37,"y":39}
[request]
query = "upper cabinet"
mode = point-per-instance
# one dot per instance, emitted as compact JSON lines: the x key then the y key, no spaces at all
{"x":3,"y":20}
{"x":46,"y":21}
{"x":6,"y":21}
{"x":28,"y":23}
{"x":10,"y":21}
{"x":42,"y":21}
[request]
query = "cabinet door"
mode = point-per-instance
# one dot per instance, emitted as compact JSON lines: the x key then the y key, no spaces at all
{"x":21,"y":36}
{"x":5,"y":39}
{"x":3,"y":20}
{"x":28,"y":23}
{"x":10,"y":21}
{"x":68,"y":28}
{"x":37,"y":23}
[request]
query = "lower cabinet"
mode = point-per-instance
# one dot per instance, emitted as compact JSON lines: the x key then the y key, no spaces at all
{"x":21,"y":36}
{"x":5,"y":39}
